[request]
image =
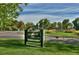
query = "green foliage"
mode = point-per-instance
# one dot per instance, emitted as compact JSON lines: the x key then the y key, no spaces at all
{"x":59,"y":26}
{"x":43,"y":23}
{"x":29,"y":25}
{"x":8,"y":13}
{"x":68,"y":31}
{"x":9,"y":10}
{"x":70,"y":25}
{"x":76,"y":23}
{"x":53,"y":25}
{"x":65,"y":23}
{"x":77,"y":33}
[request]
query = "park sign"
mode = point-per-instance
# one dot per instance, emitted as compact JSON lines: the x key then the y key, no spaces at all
{"x":35,"y":34}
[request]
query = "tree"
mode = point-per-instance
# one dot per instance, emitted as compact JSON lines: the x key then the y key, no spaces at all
{"x":59,"y":26}
{"x":29,"y":25}
{"x":8,"y":11}
{"x":7,"y":25}
{"x":70,"y":26}
{"x":44,"y":23}
{"x":65,"y":24}
{"x":76,"y":23}
{"x":20,"y":25}
{"x":53,"y":25}
{"x":13,"y":25}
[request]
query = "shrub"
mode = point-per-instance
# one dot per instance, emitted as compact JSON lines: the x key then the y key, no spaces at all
{"x":77,"y":32}
{"x":68,"y":31}
{"x":49,"y":31}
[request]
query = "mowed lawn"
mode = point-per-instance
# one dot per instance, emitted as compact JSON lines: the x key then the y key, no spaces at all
{"x":17,"y":47}
{"x":53,"y":33}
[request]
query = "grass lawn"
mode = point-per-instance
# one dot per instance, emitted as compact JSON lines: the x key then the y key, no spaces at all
{"x":62,"y":34}
{"x":17,"y":47}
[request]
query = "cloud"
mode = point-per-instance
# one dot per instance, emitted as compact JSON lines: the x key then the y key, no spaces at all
{"x":66,"y":11}
{"x":53,"y":11}
{"x":35,"y":18}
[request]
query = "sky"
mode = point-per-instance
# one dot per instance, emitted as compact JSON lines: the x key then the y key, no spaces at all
{"x":54,"y":12}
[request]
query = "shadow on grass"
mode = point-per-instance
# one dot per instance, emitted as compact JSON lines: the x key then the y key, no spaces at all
{"x":11,"y":43}
{"x":61,"y":45}
{"x":51,"y":47}
{"x":16,"y":43}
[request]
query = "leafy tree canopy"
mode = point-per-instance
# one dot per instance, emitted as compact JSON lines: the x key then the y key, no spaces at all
{"x":44,"y":23}
{"x":9,"y":10}
{"x":76,"y":23}
{"x":65,"y":23}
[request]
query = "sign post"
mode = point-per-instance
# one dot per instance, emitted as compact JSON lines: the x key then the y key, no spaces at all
{"x":42,"y":37}
{"x":26,"y":36}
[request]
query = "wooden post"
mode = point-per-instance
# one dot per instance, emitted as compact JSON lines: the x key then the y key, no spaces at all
{"x":42,"y":37}
{"x":26,"y":36}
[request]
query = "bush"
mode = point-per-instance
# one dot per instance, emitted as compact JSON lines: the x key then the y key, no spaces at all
{"x":77,"y":32}
{"x":50,"y":31}
{"x":68,"y":31}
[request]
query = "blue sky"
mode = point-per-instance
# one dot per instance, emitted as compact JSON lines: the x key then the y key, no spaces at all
{"x":33,"y":12}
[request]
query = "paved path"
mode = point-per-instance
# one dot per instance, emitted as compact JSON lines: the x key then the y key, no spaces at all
{"x":12,"y":34}
{"x":74,"y":41}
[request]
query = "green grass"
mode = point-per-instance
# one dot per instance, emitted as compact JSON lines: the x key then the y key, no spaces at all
{"x":17,"y":47}
{"x":62,"y":34}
